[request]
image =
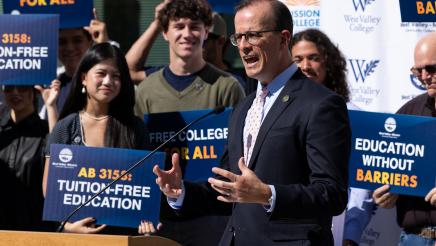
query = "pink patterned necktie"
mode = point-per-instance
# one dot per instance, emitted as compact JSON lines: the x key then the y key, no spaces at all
{"x":254,"y":118}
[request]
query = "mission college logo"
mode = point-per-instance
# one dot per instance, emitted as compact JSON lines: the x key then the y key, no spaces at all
{"x":305,"y":13}
{"x":390,"y":124}
{"x":65,"y":155}
{"x":363,"y":68}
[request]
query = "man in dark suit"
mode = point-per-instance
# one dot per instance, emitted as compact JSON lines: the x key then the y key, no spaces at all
{"x":285,"y":175}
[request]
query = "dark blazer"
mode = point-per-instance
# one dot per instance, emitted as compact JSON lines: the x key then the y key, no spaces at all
{"x":302,"y":149}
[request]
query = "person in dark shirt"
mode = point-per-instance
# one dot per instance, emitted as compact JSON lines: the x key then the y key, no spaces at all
{"x":417,"y":215}
{"x":22,"y":138}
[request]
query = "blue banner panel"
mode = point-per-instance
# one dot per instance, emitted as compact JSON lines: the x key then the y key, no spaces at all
{"x":200,"y":147}
{"x":393,"y":149}
{"x":223,"y":6}
{"x":28,"y":54}
{"x":77,"y":172}
{"x":418,"y":11}
{"x":73,"y":13}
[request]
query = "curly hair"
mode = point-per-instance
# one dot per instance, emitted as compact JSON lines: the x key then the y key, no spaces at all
{"x":198,"y":10}
{"x":336,"y":65}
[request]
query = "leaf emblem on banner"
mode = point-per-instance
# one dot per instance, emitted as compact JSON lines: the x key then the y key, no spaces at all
{"x":369,"y":69}
{"x":369,"y":1}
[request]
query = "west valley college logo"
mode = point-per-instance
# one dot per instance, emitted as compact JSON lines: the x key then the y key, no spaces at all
{"x":363,"y":68}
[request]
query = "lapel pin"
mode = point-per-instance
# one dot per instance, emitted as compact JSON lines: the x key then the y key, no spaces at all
{"x":285,"y":98}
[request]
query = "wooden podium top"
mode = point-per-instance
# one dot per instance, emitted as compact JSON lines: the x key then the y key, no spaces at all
{"x":30,"y":238}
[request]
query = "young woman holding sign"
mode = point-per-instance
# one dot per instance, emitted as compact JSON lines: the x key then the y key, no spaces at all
{"x":99,"y":113}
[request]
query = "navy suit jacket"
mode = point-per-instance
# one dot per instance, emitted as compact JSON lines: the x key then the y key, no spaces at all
{"x":302,"y":149}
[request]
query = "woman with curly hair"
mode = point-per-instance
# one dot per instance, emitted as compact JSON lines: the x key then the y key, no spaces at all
{"x":320,"y":60}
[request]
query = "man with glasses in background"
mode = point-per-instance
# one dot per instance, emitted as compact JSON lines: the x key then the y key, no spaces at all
{"x":417,"y":215}
{"x":285,"y":174}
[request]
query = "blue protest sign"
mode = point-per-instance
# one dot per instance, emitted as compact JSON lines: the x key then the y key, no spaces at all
{"x":200,"y":147}
{"x":28,"y":54}
{"x":73,"y":13}
{"x":418,"y":11}
{"x":77,"y":172}
{"x":223,"y":6}
{"x":393,"y":149}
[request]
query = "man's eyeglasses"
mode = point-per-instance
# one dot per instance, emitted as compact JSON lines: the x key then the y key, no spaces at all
{"x":252,"y":37}
{"x":417,"y":71}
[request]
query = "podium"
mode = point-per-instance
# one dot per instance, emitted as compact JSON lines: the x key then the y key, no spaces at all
{"x":31,"y":238}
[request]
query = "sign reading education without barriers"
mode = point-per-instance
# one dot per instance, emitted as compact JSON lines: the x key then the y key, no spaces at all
{"x":393,"y":149}
{"x":418,"y":11}
{"x":28,"y":50}
{"x":200,"y":147}
{"x":77,"y":172}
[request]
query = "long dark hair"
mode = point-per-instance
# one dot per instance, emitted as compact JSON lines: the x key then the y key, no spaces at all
{"x":119,"y":132}
{"x":336,"y":65}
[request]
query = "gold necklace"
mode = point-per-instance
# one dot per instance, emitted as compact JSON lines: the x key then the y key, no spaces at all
{"x":93,"y":117}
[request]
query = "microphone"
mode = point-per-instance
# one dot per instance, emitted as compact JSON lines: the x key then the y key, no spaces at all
{"x":217,"y":110}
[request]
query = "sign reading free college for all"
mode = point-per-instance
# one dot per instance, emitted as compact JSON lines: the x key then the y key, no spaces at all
{"x":200,"y":147}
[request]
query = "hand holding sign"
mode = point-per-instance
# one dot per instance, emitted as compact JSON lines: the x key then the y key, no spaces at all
{"x":384,"y":198}
{"x":170,"y":182}
{"x":147,"y":228}
{"x":50,"y":94}
{"x":97,"y":29}
{"x":84,"y":226}
{"x":431,"y":197}
{"x":245,"y":188}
